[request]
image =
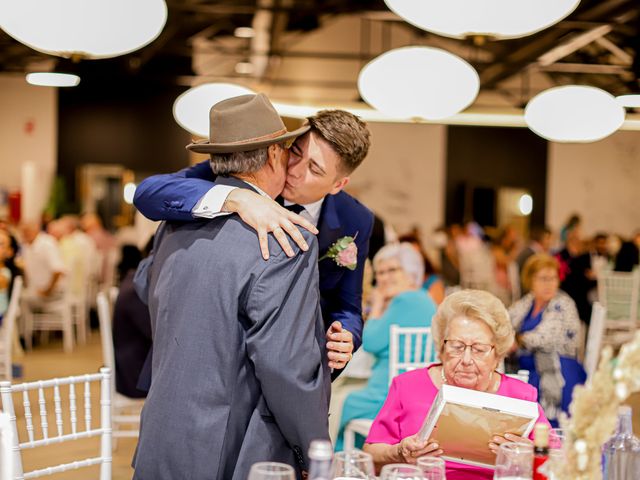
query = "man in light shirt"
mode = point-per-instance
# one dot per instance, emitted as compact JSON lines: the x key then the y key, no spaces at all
{"x":43,"y":264}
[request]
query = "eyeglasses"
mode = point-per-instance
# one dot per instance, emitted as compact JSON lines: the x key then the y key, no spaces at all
{"x":546,"y":279}
{"x":456,"y":348}
{"x":378,"y":273}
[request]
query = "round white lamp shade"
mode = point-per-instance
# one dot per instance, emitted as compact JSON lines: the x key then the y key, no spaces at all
{"x":574,"y":114}
{"x":191,"y":109}
{"x":418,"y":82}
{"x":52,"y":79}
{"x":629,"y":101}
{"x":501,"y":19}
{"x":89,"y":28}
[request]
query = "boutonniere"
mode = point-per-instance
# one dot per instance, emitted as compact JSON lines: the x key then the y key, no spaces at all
{"x":344,"y":252}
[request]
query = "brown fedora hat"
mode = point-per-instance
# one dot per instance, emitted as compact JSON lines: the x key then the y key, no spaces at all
{"x":244,"y":123}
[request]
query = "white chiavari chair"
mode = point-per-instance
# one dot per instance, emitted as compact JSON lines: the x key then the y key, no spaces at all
{"x":619,"y":293}
{"x":56,"y":434}
{"x":595,"y":338}
{"x":410,"y":348}
{"x":6,"y":447}
{"x":7,"y":331}
{"x":125,"y":410}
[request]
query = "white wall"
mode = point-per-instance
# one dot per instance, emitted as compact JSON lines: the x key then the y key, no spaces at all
{"x":402,"y":178}
{"x":600,"y":180}
{"x":28,"y":133}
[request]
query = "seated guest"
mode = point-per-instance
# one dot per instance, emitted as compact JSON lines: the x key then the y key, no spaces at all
{"x":5,"y":273}
{"x":539,"y":242}
{"x":397,"y":300}
{"x":472,"y":333}
{"x":628,"y":258}
{"x":131,"y":327}
{"x":43,"y":265}
{"x":547,"y":332}
{"x":576,"y":275}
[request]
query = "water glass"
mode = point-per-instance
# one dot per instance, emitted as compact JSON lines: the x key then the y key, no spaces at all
{"x":556,"y":438}
{"x":433,"y":468}
{"x":514,"y":461}
{"x":354,"y":464}
{"x":271,"y":471}
{"x":396,"y":471}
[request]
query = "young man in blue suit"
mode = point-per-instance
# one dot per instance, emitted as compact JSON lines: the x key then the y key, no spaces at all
{"x":321,"y":161}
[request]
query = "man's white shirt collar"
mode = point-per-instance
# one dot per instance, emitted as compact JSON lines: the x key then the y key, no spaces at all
{"x":313,"y":209}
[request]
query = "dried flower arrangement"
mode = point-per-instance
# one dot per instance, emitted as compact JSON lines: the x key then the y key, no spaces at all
{"x":594,"y":412}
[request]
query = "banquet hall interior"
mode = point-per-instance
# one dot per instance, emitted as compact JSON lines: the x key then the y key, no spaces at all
{"x":497,"y":134}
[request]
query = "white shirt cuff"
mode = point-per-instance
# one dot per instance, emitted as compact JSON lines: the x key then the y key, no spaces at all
{"x":210,"y":205}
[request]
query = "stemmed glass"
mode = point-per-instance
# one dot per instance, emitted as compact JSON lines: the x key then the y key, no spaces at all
{"x":514,"y":461}
{"x":433,"y":468}
{"x":354,"y":464}
{"x":396,"y":471}
{"x":556,"y":438}
{"x":271,"y":471}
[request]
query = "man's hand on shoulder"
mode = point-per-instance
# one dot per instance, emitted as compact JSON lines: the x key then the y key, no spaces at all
{"x":339,"y":346}
{"x":265,"y":216}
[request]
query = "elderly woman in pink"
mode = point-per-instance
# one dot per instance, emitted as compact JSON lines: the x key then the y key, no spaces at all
{"x":473,"y":333}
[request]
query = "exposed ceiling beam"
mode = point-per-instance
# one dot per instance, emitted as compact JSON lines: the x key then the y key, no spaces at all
{"x":623,"y":56}
{"x":573,"y":44}
{"x":583,"y":68}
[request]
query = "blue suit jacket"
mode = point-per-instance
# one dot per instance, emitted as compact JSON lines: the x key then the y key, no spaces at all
{"x":173,"y":197}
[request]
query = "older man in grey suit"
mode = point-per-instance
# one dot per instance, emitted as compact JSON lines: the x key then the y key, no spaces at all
{"x":239,"y":374}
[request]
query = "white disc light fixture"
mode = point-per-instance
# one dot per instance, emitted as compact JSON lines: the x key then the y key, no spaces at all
{"x":525,"y":204}
{"x":85,"y":28}
{"x":191,"y":109}
{"x":51,"y":79}
{"x":418,"y":82}
{"x":574,"y":114}
{"x":629,"y":101}
{"x":500,"y":19}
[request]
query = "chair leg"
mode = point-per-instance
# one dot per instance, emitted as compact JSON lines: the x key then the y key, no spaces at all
{"x":349,"y":439}
{"x":81,"y":324}
{"x":67,"y":333}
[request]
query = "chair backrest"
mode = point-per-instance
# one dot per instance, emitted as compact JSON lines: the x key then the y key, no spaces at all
{"x":618,"y":292}
{"x":76,"y":432}
{"x":6,"y":447}
{"x":409,"y":348}
{"x":106,"y":330}
{"x":594,"y":338}
{"x":8,"y":326}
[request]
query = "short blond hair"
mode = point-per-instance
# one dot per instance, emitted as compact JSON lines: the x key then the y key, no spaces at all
{"x":534,"y":264}
{"x":476,"y":305}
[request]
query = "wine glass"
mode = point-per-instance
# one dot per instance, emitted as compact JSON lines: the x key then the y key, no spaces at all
{"x":271,"y":471}
{"x":396,"y":471}
{"x":433,"y":468}
{"x":514,"y":461}
{"x":352,"y":464}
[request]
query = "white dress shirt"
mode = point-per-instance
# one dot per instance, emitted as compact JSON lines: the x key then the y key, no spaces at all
{"x":210,"y":205}
{"x":42,"y":259}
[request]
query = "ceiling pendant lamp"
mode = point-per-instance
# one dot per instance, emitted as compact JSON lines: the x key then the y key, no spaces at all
{"x":89,"y":29}
{"x":499,"y":19}
{"x":418,"y":82}
{"x":574,"y":113}
{"x":52,"y":79}
{"x":191,"y":109}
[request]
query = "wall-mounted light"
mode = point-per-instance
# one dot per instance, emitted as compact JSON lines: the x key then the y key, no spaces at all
{"x":525,"y":204}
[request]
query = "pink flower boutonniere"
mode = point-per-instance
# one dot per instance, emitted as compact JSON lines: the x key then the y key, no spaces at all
{"x":344,"y":252}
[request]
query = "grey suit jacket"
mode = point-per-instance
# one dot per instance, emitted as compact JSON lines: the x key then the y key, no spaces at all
{"x":239,"y":374}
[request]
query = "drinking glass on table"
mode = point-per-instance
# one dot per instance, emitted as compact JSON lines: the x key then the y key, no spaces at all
{"x":354,"y":464}
{"x":271,"y":471}
{"x":433,"y":468}
{"x":556,"y":438}
{"x":397,"y":471}
{"x":514,"y":461}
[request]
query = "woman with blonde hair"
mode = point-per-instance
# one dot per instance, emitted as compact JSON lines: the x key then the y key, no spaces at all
{"x":547,"y":329}
{"x":472,"y":333}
